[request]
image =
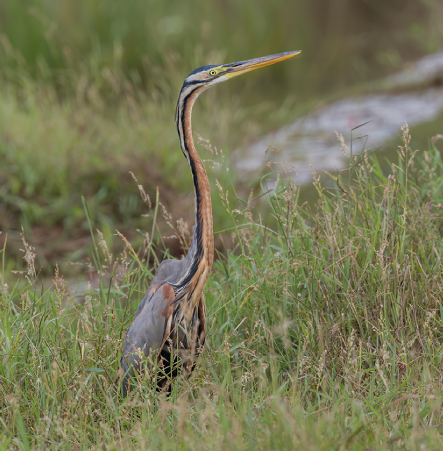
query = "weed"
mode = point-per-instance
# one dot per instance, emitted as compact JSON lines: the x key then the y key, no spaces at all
{"x":325,"y":332}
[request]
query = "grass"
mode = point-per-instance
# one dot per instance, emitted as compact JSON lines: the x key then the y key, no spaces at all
{"x":89,"y":153}
{"x":325,"y":321}
{"x":89,"y":89}
{"x":325,"y":331}
{"x":144,"y":40}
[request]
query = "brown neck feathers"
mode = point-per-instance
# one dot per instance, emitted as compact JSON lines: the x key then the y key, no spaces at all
{"x":201,"y":255}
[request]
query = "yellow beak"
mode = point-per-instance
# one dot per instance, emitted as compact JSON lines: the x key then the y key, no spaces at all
{"x":235,"y":69}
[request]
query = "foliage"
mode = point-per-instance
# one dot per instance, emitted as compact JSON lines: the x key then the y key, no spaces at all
{"x":325,"y":332}
{"x":88,"y":91}
{"x":54,"y":153}
{"x":146,"y":42}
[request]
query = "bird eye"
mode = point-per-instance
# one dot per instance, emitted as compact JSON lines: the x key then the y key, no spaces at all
{"x":212,"y":72}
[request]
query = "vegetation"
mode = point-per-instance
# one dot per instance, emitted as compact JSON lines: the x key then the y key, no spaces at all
{"x":88,"y":91}
{"x":325,"y":320}
{"x":54,"y":153}
{"x":147,"y":42}
{"x":325,"y":331}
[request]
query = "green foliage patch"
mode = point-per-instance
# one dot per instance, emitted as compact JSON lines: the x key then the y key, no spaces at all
{"x":325,"y":331}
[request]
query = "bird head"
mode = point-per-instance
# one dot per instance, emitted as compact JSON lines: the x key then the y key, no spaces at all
{"x":210,"y":75}
{"x":206,"y":76}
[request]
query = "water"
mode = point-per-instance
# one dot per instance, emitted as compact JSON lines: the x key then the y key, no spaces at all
{"x":414,"y":95}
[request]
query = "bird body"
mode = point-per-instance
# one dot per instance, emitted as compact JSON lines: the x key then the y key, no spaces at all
{"x":169,"y":325}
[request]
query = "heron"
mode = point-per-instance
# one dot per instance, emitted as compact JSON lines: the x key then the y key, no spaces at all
{"x":169,"y":327}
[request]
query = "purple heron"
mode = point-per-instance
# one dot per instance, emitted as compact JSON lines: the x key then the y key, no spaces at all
{"x":170,"y":322}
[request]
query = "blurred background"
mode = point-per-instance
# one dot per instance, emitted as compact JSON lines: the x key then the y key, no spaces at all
{"x":88,"y":91}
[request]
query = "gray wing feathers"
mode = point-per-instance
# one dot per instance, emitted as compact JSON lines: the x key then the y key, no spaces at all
{"x":148,"y":328}
{"x":164,"y":271}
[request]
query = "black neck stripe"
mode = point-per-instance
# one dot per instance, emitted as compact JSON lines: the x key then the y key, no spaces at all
{"x":194,"y":82}
{"x":198,"y":253}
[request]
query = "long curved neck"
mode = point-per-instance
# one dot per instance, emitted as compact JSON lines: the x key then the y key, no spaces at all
{"x":201,"y":254}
